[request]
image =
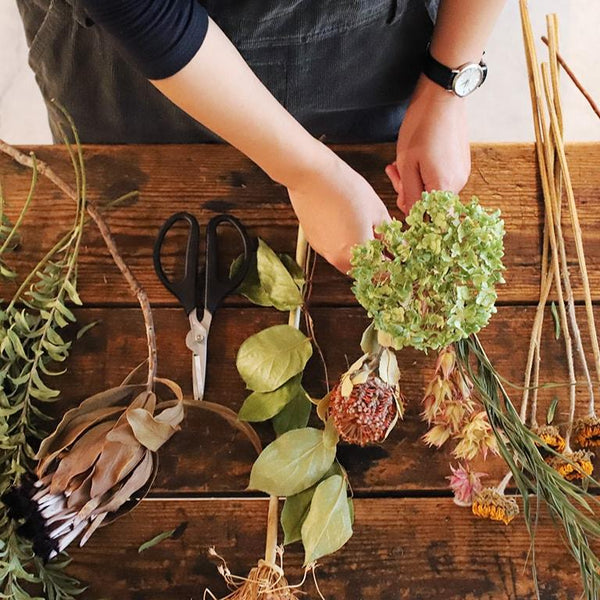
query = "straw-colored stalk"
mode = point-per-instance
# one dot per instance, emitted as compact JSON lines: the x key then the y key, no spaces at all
{"x":542,"y":146}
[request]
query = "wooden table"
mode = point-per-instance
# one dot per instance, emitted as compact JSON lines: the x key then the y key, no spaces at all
{"x":410,"y":540}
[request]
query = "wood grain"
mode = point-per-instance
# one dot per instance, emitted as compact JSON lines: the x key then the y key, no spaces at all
{"x":209,"y":179}
{"x":405,"y":549}
{"x":207,"y":456}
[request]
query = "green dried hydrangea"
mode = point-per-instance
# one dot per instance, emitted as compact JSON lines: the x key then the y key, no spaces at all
{"x":432,"y":283}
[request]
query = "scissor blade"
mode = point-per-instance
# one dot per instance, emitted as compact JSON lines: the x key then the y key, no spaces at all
{"x":198,"y":376}
{"x":196,"y":340}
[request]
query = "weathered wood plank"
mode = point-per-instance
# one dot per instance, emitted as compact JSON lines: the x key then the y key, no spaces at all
{"x":402,"y":549}
{"x":208,"y":457}
{"x":208,"y":179}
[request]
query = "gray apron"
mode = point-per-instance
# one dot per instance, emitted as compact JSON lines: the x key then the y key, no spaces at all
{"x":345,"y":70}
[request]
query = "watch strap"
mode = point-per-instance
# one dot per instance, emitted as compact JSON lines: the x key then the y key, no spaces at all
{"x":443,"y":75}
{"x":437,"y":72}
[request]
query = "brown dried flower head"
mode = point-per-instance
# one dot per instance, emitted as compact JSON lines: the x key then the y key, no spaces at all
{"x":491,"y":504}
{"x":366,"y":403}
{"x":587,"y":432}
{"x":99,"y":462}
{"x":551,"y":436}
{"x":573,"y":466}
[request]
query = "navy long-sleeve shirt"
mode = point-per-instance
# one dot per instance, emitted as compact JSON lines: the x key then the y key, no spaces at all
{"x":158,"y":36}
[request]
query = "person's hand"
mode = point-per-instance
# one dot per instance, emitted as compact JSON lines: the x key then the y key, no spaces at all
{"x":433,"y":146}
{"x":337,"y":209}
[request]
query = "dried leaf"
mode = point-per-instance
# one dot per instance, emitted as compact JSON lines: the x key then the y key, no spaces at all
{"x":140,"y":475}
{"x":388,"y":367}
{"x":115,"y":463}
{"x":63,"y":437}
{"x":556,"y":318}
{"x":152,"y":432}
{"x":80,"y":457}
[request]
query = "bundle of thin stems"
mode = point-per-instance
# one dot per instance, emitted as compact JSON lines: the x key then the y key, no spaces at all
{"x":267,"y":581}
{"x":556,"y":184}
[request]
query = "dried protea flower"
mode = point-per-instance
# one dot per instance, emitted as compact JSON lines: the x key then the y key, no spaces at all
{"x":366,"y":403}
{"x":587,"y":432}
{"x":493,"y":504}
{"x":98,"y":463}
{"x":550,"y":435}
{"x":476,"y":437}
{"x":465,"y":483}
{"x":573,"y":466}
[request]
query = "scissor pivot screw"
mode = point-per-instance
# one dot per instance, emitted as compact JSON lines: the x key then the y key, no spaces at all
{"x":199,"y":338}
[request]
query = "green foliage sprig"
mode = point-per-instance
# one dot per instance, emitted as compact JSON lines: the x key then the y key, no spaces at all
{"x":432,"y":283}
{"x":300,"y":464}
{"x":31,"y":342}
{"x":571,"y":506}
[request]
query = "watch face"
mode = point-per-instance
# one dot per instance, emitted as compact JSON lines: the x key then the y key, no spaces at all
{"x":467,"y":80}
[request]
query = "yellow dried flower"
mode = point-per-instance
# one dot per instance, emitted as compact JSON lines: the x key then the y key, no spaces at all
{"x":491,"y":504}
{"x":550,"y":435}
{"x":573,"y":465}
{"x":475,"y":437}
{"x":587,"y":432}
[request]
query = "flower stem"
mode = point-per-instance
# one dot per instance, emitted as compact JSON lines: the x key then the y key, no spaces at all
{"x":136,"y":288}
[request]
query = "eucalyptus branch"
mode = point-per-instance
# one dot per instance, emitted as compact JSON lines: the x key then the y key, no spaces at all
{"x":136,"y":288}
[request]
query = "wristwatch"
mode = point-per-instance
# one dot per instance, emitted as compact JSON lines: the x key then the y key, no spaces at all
{"x":461,"y":81}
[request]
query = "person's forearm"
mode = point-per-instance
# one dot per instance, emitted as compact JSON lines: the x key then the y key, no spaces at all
{"x":462,"y":29}
{"x":219,"y":90}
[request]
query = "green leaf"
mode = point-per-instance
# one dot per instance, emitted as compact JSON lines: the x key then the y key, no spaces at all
{"x":551,"y":410}
{"x":292,"y":463}
{"x":251,"y":287}
{"x":260,"y":406}
{"x":293,"y":416}
{"x":554,"y":312}
{"x":294,"y":269}
{"x":72,"y":292}
{"x":276,"y":280}
{"x":296,"y":507}
{"x":157,"y":539}
{"x":294,"y":512}
{"x":328,"y":525}
{"x":83,"y":330}
{"x":269,"y":358}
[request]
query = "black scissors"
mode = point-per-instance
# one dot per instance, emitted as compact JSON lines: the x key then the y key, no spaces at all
{"x":189,"y":290}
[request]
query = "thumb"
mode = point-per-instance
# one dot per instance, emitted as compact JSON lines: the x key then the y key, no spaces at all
{"x":413,"y":186}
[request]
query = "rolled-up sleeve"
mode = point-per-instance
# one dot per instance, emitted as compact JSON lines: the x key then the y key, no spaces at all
{"x":158,"y":36}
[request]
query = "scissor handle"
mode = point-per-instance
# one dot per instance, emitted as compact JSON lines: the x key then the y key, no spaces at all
{"x":186,"y":288}
{"x":215,"y":288}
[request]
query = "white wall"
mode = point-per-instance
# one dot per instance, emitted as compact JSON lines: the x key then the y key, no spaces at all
{"x":499,"y":110}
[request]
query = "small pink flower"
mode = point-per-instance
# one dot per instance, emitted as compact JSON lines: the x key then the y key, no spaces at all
{"x":465,"y":484}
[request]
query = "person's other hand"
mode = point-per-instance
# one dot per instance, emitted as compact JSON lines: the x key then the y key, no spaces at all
{"x":433,"y":150}
{"x":337,"y":209}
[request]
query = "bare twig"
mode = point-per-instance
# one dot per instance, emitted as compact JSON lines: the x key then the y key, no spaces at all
{"x":574,"y":79}
{"x":136,"y":288}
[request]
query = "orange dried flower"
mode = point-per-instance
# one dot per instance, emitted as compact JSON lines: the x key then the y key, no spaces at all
{"x":573,"y":466}
{"x":587,"y":432}
{"x":551,"y":436}
{"x":491,"y":504}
